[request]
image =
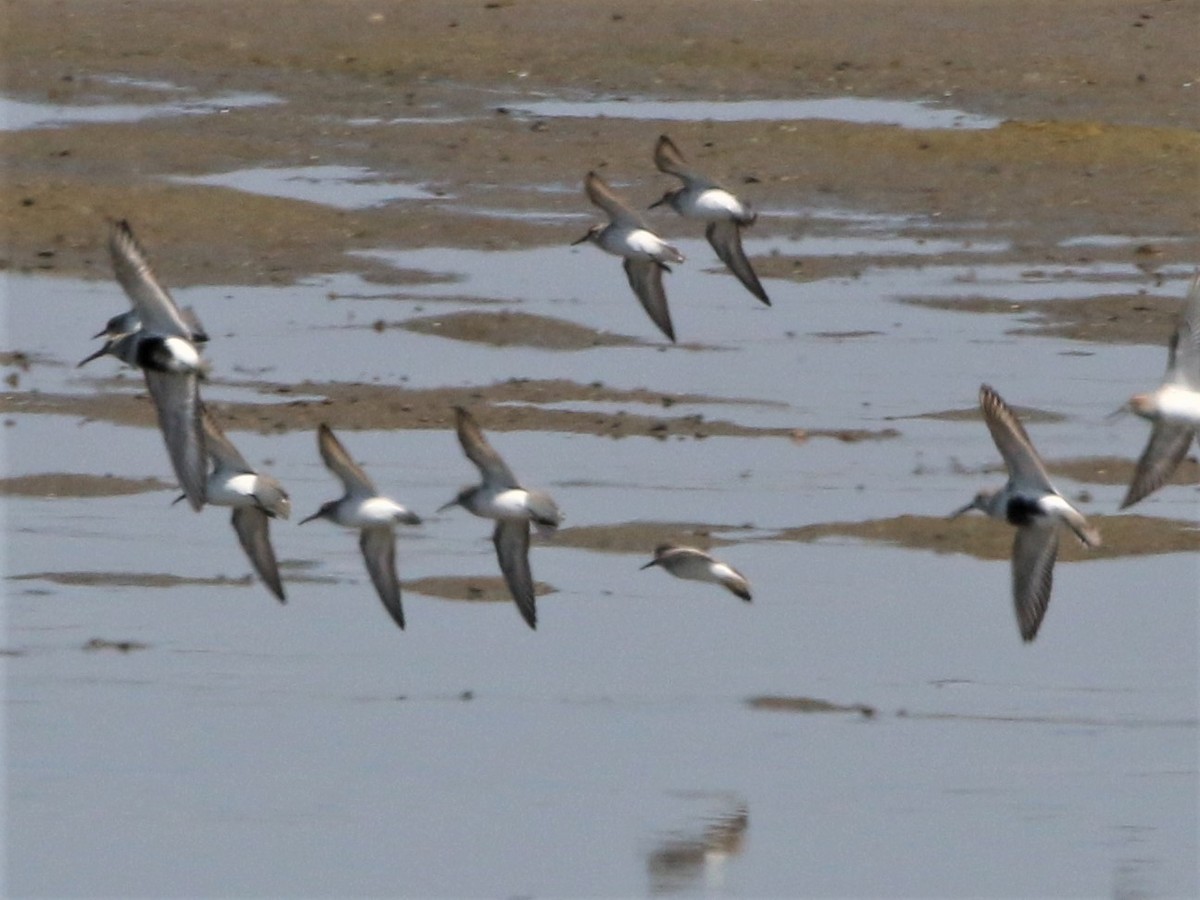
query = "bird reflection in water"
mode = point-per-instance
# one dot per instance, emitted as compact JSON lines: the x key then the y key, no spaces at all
{"x":683,"y":861}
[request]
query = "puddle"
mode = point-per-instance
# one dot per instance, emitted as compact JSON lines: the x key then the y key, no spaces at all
{"x":342,"y":187}
{"x":408,"y":120}
{"x":905,"y":113}
{"x":1118,"y":240}
{"x":20,"y":115}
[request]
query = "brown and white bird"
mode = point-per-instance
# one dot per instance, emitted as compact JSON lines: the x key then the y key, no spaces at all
{"x":514,"y":508}
{"x":702,"y":198}
{"x":1174,"y":408}
{"x":1030,"y":502}
{"x":255,"y":498}
{"x":164,"y":347}
{"x":696,"y":565}
{"x":374,"y":516}
{"x":646,"y":254}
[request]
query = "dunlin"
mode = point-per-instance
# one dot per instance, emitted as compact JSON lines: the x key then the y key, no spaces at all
{"x":1174,"y":409}
{"x":704,"y":199}
{"x":374,"y":516}
{"x":255,"y":498}
{"x":501,"y":497}
{"x":128,"y":323}
{"x":1030,"y":502}
{"x":646,"y":254}
{"x":696,"y":565}
{"x":162,"y":346}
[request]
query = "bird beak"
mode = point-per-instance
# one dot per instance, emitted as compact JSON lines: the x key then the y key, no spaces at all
{"x":581,"y":240}
{"x":653,"y":562}
{"x":1122,"y":410}
{"x":96,"y":355}
{"x":659,"y":202}
{"x":315,"y":515}
{"x":445,"y":506}
{"x":103,"y":332}
{"x":177,"y":499}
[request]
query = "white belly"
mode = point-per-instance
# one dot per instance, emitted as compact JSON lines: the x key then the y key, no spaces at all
{"x":372,"y":512}
{"x":235,"y":491}
{"x":185,"y":358}
{"x":715,"y":205}
{"x":1179,"y":405}
{"x":637,"y":243}
{"x":510,"y":504}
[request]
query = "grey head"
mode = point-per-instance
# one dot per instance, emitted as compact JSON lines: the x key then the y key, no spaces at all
{"x":984,"y":501}
{"x":463,"y":498}
{"x":118,"y":325}
{"x":327,"y":511}
{"x":593,"y":235}
{"x":660,"y":554}
{"x":124,"y":347}
{"x":670,"y":198}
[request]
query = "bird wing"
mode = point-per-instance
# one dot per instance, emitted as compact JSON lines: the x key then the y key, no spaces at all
{"x":251,"y":526}
{"x":150,"y":299}
{"x":615,"y":208}
{"x":379,"y":551}
{"x":725,"y":235}
{"x":177,"y":400}
{"x":1025,"y":467}
{"x":1167,"y":446}
{"x":668,"y":159}
{"x":1183,"y":358}
{"x":1034,"y":550}
{"x":219,"y":447}
{"x":192,"y":321}
{"x":511,"y":538}
{"x":645,"y":277}
{"x":475,"y":445}
{"x":338,"y":461}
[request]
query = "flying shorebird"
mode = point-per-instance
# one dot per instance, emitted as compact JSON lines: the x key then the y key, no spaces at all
{"x":502,"y":498}
{"x":255,"y":498}
{"x":704,"y":199}
{"x":373,"y":515}
{"x":129,"y":322}
{"x":1030,"y":502}
{"x":164,"y":349}
{"x":1174,"y":408}
{"x":696,"y":565}
{"x":646,"y":254}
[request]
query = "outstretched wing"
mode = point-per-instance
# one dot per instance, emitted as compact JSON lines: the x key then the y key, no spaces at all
{"x":1025,"y":467}
{"x":511,"y":538}
{"x":177,"y":400}
{"x":725,"y":235}
{"x":378,"y":547}
{"x":150,"y":299}
{"x":1034,"y":550}
{"x":338,"y":461}
{"x":475,"y":445}
{"x":646,"y":278}
{"x":251,"y":525}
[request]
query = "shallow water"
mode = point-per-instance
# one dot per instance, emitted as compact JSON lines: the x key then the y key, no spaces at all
{"x":343,"y":187}
{"x":19,"y":115}
{"x":907,"y":114}
{"x":312,"y":748}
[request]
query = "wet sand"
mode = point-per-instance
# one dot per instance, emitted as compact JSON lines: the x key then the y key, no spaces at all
{"x":1101,"y":140}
